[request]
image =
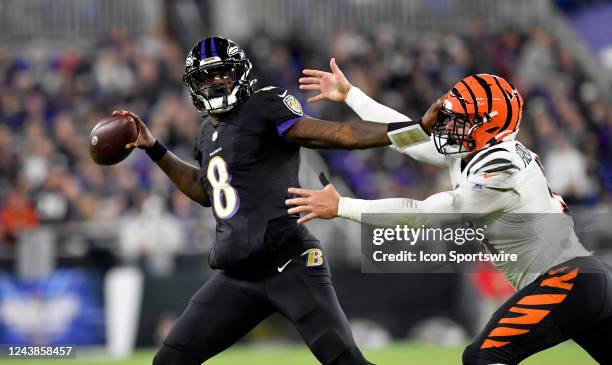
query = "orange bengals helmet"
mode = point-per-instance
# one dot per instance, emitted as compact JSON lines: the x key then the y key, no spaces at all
{"x":480,"y":111}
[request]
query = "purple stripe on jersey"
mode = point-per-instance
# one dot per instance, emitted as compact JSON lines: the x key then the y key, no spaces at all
{"x":284,"y":126}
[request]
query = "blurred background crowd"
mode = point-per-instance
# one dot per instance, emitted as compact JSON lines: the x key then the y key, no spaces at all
{"x":50,"y":99}
{"x":564,"y":120}
{"x":50,"y":103}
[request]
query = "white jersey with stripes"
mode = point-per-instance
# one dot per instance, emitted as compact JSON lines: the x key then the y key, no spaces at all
{"x":504,"y":182}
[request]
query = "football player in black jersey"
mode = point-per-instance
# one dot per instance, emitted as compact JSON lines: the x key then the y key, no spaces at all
{"x":248,"y":155}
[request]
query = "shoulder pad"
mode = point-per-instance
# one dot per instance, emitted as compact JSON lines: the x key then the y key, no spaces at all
{"x":281,"y":96}
{"x":496,"y":167}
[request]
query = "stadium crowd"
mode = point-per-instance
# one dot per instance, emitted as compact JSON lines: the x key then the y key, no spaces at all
{"x":50,"y":100}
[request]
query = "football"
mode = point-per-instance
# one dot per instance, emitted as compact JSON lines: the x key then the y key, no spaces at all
{"x":108,"y":139}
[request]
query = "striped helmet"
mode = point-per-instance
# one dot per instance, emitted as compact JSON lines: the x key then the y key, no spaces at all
{"x":217,"y":57}
{"x":480,"y":111}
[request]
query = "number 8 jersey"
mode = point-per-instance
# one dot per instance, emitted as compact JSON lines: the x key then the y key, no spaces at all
{"x":247,"y":166}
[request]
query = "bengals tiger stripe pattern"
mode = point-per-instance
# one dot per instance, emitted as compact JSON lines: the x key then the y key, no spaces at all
{"x":572,"y":300}
{"x":530,"y":310}
{"x":489,"y":102}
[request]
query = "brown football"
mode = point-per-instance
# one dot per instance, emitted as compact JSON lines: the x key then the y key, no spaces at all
{"x":108,"y":139}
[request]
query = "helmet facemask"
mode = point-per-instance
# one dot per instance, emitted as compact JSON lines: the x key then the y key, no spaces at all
{"x":452,"y":134}
{"x":216,"y":88}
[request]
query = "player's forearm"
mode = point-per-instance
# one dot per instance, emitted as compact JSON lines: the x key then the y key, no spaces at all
{"x":416,"y":213}
{"x":347,"y":135}
{"x":359,"y":135}
{"x":185,"y":177}
{"x":404,"y":211}
{"x":317,"y":133}
{"x":381,"y":212}
{"x":368,"y":109}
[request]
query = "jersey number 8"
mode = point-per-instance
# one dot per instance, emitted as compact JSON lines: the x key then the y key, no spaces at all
{"x":225,"y":197}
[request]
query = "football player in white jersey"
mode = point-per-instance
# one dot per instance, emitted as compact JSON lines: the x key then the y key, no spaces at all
{"x":563,"y":291}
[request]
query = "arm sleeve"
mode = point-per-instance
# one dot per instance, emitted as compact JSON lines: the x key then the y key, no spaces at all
{"x":412,"y":212}
{"x":368,"y":109}
{"x":284,"y":110}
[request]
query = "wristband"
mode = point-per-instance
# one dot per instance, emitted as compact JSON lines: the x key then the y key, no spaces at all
{"x":406,"y":134}
{"x":156,"y":152}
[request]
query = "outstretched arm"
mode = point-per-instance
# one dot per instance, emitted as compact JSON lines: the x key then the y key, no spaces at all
{"x":317,"y":133}
{"x":327,"y":204}
{"x":336,"y":87}
{"x":185,"y":176}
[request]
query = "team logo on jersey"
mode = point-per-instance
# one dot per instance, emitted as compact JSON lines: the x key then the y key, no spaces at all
{"x":293,"y":104}
{"x":214,"y":136}
{"x":314,"y":258}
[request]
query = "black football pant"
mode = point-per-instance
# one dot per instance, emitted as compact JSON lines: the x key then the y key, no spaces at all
{"x":571,"y":301}
{"x":229,"y":306}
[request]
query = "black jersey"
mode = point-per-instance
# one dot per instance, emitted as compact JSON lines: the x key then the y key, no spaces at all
{"x":247,"y":166}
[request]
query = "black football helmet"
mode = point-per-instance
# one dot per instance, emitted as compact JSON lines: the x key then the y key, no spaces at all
{"x":218,"y":74}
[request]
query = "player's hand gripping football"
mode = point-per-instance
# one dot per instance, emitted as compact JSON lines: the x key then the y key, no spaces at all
{"x":331,"y":85}
{"x":145,"y":138}
{"x":316,"y":203}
